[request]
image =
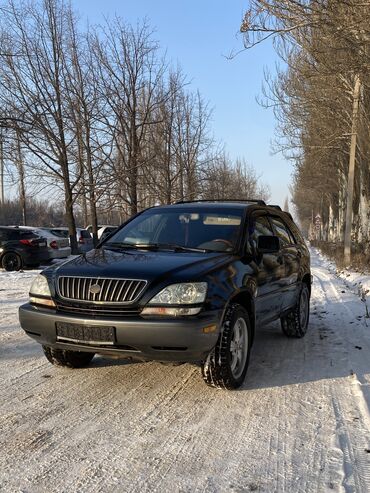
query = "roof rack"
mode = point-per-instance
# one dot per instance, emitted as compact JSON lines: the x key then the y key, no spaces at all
{"x":254,"y":201}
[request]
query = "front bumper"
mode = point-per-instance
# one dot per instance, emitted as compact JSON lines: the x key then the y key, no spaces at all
{"x":162,"y":339}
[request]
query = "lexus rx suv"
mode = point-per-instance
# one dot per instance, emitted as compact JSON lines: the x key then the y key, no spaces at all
{"x":188,"y":282}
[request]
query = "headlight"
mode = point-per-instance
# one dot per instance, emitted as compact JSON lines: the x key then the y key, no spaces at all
{"x":40,"y":292}
{"x":187,"y":293}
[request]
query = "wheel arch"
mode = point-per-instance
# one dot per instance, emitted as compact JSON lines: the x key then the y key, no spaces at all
{"x":245,"y":299}
{"x":306,"y":279}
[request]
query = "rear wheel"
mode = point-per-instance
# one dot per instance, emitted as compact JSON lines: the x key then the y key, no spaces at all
{"x":227,"y":364}
{"x":70,"y":359}
{"x":295,"y":323}
{"x":11,"y":261}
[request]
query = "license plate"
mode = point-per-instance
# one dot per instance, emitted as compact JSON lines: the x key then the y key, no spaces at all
{"x":42,"y":243}
{"x":86,"y":334}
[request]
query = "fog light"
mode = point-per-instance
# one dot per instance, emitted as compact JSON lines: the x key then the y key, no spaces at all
{"x":209,"y":329}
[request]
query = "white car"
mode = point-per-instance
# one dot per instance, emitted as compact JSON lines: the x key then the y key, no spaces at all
{"x":57,"y":247}
{"x":103,"y":230}
{"x":85,"y":242}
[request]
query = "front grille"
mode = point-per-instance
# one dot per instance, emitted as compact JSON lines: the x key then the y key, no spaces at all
{"x":96,"y":310}
{"x":98,"y":290}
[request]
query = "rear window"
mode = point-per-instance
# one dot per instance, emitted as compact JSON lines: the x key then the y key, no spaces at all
{"x":17,"y":234}
{"x":26,"y":234}
{"x":63,"y":233}
{"x":84,"y":234}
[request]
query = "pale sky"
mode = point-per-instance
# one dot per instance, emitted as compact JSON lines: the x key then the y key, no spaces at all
{"x":198,"y":34}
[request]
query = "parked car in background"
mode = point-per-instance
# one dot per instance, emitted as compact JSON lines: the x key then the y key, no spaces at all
{"x":84,"y":239}
{"x":58,"y":247}
{"x":21,"y":247}
{"x":103,"y":230}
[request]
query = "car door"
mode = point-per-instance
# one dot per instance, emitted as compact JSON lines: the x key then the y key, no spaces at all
{"x":269,"y":272}
{"x":291,"y":256}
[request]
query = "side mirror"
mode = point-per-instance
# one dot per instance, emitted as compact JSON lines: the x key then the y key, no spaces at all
{"x":268,"y":244}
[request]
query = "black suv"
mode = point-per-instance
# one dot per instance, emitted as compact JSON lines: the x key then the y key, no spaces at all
{"x":188,"y":282}
{"x":20,"y":247}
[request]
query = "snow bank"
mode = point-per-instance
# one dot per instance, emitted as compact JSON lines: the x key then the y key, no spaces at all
{"x":358,"y":282}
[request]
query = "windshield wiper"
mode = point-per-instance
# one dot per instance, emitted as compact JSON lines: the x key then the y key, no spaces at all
{"x":120,"y":245}
{"x":169,"y":246}
{"x":155,"y":246}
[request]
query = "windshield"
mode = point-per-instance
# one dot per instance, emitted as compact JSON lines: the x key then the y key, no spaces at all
{"x":205,"y":230}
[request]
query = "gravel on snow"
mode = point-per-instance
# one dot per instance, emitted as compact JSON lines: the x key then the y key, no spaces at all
{"x":300,"y":423}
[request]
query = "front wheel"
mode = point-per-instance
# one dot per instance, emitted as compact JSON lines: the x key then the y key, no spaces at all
{"x":227,"y":364}
{"x":295,"y":323}
{"x":70,"y":359}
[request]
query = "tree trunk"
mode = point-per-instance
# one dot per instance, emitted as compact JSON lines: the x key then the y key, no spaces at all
{"x":70,"y":218}
{"x":2,"y":198}
{"x":92,"y":198}
{"x":22,"y":188}
{"x":351,"y":172}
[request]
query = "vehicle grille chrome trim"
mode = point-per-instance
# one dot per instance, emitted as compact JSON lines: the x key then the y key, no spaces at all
{"x":112,"y":290}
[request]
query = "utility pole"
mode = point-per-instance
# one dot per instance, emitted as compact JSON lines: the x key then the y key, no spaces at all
{"x":351,"y":171}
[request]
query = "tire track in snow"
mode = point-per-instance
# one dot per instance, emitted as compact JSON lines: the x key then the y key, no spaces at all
{"x":349,"y":430}
{"x":147,"y":427}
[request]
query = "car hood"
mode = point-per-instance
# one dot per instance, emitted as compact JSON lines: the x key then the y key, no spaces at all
{"x":147,"y":265}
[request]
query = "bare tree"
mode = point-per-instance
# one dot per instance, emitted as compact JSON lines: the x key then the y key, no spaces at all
{"x":32,"y":90}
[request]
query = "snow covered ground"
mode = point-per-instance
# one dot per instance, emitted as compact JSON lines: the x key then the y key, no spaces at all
{"x":301,"y":423}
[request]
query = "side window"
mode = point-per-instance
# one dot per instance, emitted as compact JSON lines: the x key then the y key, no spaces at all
{"x":296,"y":233}
{"x":260,"y":227}
{"x":282,"y":231}
{"x":12,"y":234}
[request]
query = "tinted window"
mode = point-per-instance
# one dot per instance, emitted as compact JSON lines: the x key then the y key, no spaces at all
{"x":60,"y":232}
{"x":260,"y":227}
{"x":282,"y":231}
{"x":84,"y":234}
{"x":26,"y":234}
{"x":12,"y":234}
{"x":297,"y":234}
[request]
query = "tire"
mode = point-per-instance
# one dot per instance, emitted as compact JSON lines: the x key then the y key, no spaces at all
{"x":70,"y":359}
{"x":295,"y":323}
{"x":226,"y":367}
{"x":11,"y":261}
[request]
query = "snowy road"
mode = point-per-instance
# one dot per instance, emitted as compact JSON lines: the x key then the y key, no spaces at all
{"x":301,"y":423}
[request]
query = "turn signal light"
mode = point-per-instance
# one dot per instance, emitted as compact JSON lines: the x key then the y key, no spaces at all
{"x":42,"y":301}
{"x":209,"y":329}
